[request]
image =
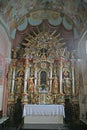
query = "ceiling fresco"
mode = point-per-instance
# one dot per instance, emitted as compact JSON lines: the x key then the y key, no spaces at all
{"x":17,"y":14}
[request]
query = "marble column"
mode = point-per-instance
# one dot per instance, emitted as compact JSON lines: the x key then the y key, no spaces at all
{"x":11,"y":96}
{"x":26,"y":76}
{"x":13,"y":76}
{"x":27,"y":71}
{"x":13,"y":80}
{"x":60,"y":74}
{"x":72,"y":75}
{"x":51,"y":77}
{"x":35,"y":77}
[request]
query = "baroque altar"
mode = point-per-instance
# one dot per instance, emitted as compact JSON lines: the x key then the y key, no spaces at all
{"x":42,"y":71}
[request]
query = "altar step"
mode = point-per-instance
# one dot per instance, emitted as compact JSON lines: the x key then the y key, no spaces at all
{"x":45,"y":127}
{"x":71,"y":126}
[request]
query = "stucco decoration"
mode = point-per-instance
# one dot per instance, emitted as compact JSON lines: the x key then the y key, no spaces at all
{"x":34,"y":22}
{"x":23,"y":25}
{"x":54,"y":18}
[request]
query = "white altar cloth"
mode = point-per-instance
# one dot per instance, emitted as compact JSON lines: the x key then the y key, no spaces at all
{"x":43,"y":110}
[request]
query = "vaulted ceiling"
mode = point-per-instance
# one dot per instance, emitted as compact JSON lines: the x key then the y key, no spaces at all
{"x":20,"y":17}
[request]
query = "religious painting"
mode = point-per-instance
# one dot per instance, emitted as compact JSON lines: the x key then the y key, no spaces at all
{"x":43,"y":77}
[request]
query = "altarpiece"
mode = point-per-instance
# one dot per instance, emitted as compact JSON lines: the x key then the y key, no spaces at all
{"x":43,"y":71}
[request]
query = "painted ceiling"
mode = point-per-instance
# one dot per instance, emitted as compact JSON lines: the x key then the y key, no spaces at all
{"x":17,"y":14}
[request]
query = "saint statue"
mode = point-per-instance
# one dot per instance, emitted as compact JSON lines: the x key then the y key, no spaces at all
{"x":19,"y":84}
{"x":55,"y":85}
{"x":66,"y":73}
{"x":67,"y":81}
{"x":67,"y":86}
{"x":30,"y":84}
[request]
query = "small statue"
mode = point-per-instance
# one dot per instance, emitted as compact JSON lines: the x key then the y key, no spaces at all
{"x":66,"y":73}
{"x":67,"y":86}
{"x":19,"y":84}
{"x":30,"y":84}
{"x":66,"y":53}
{"x":55,"y":85}
{"x":67,"y":82}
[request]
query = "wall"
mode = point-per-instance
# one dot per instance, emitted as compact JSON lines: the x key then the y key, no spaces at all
{"x":1,"y":96}
{"x":83,"y":87}
{"x":5,"y":49}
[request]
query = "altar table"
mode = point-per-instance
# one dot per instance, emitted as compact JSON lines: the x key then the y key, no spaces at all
{"x":43,"y":114}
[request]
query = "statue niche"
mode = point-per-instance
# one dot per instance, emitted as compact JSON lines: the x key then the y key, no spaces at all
{"x":43,"y":77}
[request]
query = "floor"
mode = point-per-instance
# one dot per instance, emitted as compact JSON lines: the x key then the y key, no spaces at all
{"x":44,"y":127}
{"x":65,"y":126}
{"x":47,"y":127}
